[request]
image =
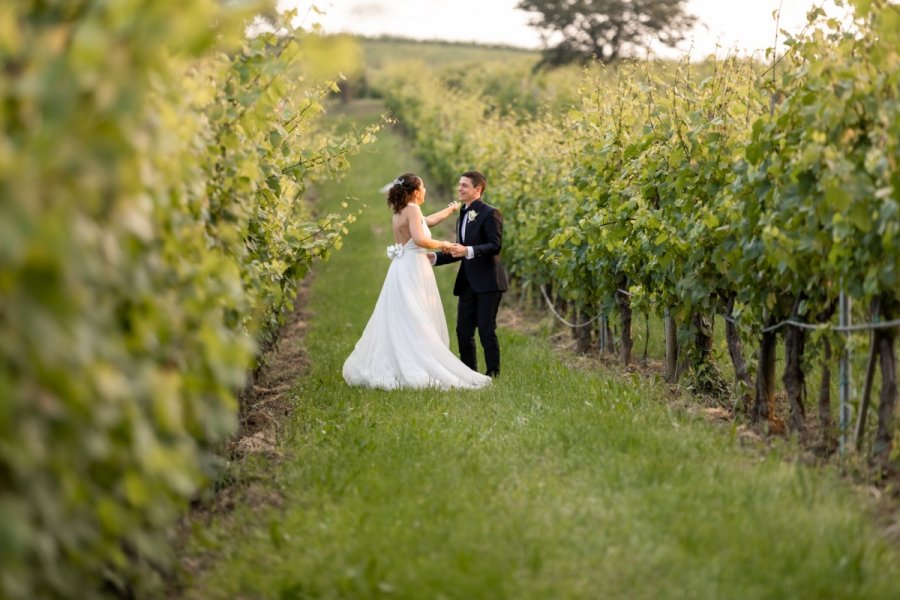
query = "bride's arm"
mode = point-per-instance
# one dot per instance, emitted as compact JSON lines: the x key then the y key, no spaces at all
{"x":439,"y":216}
{"x":423,"y":240}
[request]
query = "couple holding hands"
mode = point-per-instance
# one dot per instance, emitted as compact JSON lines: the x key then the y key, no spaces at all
{"x":406,"y":343}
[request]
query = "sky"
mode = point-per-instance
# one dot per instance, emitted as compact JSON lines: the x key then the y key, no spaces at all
{"x":743,"y":25}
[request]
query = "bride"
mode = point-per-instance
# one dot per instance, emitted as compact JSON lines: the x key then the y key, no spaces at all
{"x":406,"y":344}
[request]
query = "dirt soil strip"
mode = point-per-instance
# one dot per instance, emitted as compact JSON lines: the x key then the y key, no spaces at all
{"x":265,"y":407}
{"x":266,"y":402}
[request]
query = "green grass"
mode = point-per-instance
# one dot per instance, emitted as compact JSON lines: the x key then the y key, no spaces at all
{"x":551,"y":483}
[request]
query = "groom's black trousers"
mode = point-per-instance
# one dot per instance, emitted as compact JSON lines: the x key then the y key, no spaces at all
{"x":478,"y":310}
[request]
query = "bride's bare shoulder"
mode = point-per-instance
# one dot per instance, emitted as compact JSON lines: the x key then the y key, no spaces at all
{"x":411,"y":211}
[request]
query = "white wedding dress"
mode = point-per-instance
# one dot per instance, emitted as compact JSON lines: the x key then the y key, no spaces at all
{"x":406,"y":344}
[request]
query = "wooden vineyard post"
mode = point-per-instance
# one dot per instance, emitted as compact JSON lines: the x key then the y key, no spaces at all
{"x":863,"y":411}
{"x":671,"y":349}
{"x":844,"y":322}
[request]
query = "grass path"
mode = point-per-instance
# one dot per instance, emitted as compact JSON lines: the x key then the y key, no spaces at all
{"x":552,"y":483}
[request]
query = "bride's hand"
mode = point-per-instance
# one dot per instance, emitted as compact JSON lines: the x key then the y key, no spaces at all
{"x":454,"y":206}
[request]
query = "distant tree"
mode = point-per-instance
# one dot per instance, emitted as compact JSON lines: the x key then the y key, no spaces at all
{"x":605,"y":30}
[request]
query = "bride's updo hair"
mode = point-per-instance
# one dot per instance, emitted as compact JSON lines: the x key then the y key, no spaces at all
{"x":401,"y":191}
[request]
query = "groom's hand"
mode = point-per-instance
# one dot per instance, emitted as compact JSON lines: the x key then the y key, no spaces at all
{"x":457,"y":251}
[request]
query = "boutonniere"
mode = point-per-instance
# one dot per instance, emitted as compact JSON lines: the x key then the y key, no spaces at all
{"x":472,"y":215}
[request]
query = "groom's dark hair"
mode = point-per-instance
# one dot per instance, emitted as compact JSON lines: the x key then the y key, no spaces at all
{"x":477,"y":179}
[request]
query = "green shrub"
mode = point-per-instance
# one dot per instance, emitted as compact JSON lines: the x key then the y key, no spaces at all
{"x":152,"y":231}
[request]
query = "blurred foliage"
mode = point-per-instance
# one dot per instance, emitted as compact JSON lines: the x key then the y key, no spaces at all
{"x":327,"y":56}
{"x":153,"y":164}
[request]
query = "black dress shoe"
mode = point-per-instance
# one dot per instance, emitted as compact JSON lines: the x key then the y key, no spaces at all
{"x":493,"y":374}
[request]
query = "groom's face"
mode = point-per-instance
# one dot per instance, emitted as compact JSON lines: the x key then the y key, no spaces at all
{"x":467,"y":192}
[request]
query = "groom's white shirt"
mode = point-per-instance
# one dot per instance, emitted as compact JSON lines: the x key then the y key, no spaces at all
{"x":470,"y":251}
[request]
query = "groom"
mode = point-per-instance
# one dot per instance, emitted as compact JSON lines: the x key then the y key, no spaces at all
{"x":481,"y":280}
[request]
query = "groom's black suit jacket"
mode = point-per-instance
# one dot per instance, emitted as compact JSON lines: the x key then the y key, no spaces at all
{"x":484,"y":272}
